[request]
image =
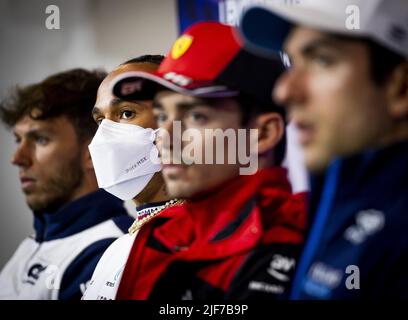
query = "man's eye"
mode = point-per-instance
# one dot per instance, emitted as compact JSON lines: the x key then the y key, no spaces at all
{"x":127,"y":114}
{"x":323,"y":60}
{"x":99,"y":121}
{"x":41,"y":140}
{"x":198,"y":117}
{"x":161,"y":117}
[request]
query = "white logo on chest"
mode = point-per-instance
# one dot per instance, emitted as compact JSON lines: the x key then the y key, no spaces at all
{"x":279,"y":266}
{"x":367,"y":223}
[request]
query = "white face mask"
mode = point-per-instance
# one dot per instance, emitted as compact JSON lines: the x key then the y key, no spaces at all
{"x":124,"y":157}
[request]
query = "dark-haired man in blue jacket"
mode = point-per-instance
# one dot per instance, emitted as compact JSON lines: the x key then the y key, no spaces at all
{"x":74,"y":221}
{"x":347,"y":92}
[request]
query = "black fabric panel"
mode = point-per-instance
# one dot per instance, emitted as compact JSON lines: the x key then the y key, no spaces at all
{"x":180,"y":282}
{"x":230,"y":229}
{"x":254,"y":276}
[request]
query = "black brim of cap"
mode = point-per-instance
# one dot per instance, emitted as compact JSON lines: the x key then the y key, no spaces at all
{"x":139,"y":85}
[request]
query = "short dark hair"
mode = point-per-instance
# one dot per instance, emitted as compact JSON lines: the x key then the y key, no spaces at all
{"x":147,"y":58}
{"x":71,"y":93}
{"x":251,"y":107}
{"x":382,"y":61}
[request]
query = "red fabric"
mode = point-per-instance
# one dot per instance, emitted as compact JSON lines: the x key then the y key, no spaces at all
{"x":278,"y":217}
{"x":201,"y":61}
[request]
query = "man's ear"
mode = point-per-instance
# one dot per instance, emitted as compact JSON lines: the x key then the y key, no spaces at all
{"x":271,"y":128}
{"x":397,"y":91}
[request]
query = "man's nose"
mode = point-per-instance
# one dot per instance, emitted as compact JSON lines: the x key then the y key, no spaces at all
{"x":22,"y":156}
{"x":171,"y":133}
{"x":289,"y":89}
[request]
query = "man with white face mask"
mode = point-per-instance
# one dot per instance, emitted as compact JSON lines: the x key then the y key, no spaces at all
{"x":126,"y":164}
{"x":237,"y":233}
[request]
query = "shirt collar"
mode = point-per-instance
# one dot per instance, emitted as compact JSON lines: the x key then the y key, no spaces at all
{"x":204,"y":220}
{"x":77,"y":216}
{"x":146,"y":209}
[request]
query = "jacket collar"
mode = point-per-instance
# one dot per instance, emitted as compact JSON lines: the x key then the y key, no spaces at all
{"x":360,"y":177}
{"x":77,"y":216}
{"x":229,"y":220}
{"x":366,"y":171}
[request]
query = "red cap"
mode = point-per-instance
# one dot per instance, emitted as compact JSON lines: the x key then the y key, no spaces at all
{"x":206,"y":61}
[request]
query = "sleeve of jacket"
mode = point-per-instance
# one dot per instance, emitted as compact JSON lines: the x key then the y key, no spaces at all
{"x":79,"y":272}
{"x":266,"y":273}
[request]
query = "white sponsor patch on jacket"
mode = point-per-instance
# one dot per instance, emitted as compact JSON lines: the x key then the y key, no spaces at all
{"x":280,"y":266}
{"x":367,"y":223}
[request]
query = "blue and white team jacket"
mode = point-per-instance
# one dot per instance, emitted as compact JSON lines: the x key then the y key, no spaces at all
{"x":58,"y":262}
{"x":108,"y":273}
{"x":358,"y":242}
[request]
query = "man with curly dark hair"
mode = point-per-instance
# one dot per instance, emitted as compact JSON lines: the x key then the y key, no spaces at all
{"x":74,"y":221}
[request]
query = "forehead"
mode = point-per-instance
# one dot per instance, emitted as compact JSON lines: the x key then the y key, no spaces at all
{"x":301,"y":39}
{"x":56,"y":125}
{"x":105,"y":96}
{"x":301,"y":35}
{"x":167,"y":98}
{"x":173,"y":101}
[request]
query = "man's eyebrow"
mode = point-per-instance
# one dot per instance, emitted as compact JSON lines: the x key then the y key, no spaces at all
{"x":328,"y":42}
{"x":95,"y":110}
{"x":157,"y":105}
{"x":115,"y":102}
{"x":187,"y":105}
{"x":181,"y":105}
{"x":33,"y":132}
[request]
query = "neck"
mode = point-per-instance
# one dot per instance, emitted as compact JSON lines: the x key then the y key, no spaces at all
{"x":87,"y":186}
{"x":155,"y":191}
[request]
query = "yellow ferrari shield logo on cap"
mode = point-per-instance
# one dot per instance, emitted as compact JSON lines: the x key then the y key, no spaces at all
{"x":181,"y":46}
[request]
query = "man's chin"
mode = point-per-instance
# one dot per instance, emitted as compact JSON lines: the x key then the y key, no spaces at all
{"x":39,"y":204}
{"x":178,"y":189}
{"x":35,"y":205}
{"x":316,"y":163}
